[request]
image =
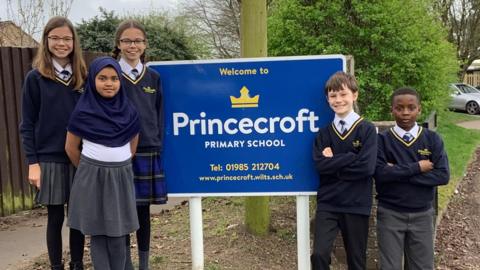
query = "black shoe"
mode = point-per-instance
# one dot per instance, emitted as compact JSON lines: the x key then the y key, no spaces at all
{"x":76,"y":265}
{"x":57,"y":267}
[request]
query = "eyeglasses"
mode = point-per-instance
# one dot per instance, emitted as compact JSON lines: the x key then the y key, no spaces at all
{"x":57,"y":39}
{"x":130,"y":42}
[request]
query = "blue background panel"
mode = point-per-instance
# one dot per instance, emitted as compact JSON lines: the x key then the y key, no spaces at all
{"x":199,"y":91}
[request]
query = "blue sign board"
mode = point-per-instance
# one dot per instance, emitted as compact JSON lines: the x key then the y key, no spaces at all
{"x":244,"y":126}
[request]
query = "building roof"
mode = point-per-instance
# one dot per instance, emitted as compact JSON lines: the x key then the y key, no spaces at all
{"x":474,"y":66}
{"x":12,"y":35}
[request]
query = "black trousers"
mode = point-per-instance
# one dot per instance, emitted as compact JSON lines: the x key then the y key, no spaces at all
{"x":354,"y":230}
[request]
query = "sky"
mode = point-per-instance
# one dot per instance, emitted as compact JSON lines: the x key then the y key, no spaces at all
{"x":89,"y":8}
{"x":85,"y":9}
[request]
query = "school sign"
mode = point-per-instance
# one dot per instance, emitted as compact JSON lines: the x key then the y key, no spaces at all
{"x":244,"y":126}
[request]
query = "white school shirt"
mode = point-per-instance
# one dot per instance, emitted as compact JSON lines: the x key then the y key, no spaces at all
{"x":349,"y":120}
{"x":127,"y":69}
{"x":400,"y":131}
{"x":58,"y":69}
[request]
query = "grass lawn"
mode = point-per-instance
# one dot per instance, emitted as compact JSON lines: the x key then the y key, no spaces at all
{"x":460,"y":144}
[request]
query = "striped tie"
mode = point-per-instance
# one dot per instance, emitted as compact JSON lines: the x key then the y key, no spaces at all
{"x":342,"y":126}
{"x":407,"y":137}
{"x":134,"y":73}
{"x":65,"y":74}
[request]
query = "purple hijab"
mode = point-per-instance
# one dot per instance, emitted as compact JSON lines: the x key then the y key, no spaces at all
{"x":112,"y":122}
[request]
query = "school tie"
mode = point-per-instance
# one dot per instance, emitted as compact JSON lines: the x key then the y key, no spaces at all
{"x":407,"y":137}
{"x":65,"y":74}
{"x":342,"y":126}
{"x":135,"y":73}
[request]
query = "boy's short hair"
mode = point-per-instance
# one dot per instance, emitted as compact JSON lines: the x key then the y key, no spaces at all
{"x":338,"y":80}
{"x":405,"y":91}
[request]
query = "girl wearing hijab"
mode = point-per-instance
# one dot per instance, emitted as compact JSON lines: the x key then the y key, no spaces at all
{"x":102,"y":201}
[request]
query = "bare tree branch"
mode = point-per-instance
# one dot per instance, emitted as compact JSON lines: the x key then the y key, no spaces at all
{"x":217,"y":23}
{"x":31,"y":15}
{"x":60,"y":7}
{"x":462,"y":18}
{"x":27,"y":14}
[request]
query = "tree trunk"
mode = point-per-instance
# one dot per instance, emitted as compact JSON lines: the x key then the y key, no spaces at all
{"x":253,"y":35}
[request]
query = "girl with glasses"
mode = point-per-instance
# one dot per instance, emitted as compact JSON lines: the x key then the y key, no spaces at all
{"x":143,"y":87}
{"x":50,"y":92}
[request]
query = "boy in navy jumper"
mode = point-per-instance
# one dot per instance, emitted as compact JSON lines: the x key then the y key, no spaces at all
{"x":411,"y":162}
{"x":345,"y":155}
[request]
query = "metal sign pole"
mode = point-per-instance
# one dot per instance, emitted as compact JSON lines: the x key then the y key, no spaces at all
{"x":196,"y":232}
{"x":303,"y":232}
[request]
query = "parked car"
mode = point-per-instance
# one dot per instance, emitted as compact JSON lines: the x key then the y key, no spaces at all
{"x":465,"y":98}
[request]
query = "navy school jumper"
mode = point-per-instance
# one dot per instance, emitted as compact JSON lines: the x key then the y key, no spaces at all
{"x":346,"y":178}
{"x":402,"y":187}
{"x":46,"y":108}
{"x":147,"y":96}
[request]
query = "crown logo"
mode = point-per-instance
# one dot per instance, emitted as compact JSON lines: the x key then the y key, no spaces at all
{"x":356,"y":144}
{"x":244,"y":101}
{"x":424,"y":152}
{"x":149,"y":90}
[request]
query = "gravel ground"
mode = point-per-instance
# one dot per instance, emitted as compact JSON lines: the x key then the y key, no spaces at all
{"x":458,"y":234}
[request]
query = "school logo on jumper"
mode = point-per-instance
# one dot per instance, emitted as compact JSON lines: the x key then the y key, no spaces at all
{"x":424,"y":152}
{"x":149,"y":90}
{"x":357,"y":144}
{"x":244,"y":101}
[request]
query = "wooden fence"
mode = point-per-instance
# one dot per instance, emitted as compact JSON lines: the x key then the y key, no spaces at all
{"x":472,"y":78}
{"x":15,"y":192}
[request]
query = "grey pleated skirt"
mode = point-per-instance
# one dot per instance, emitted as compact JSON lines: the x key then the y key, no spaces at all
{"x":102,"y":200}
{"x":55,"y":182}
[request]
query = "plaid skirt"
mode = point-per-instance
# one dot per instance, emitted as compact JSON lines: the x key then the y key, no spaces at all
{"x":149,"y":178}
{"x":55,"y":183}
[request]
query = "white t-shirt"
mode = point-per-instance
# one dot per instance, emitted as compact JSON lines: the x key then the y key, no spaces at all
{"x":104,"y":153}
